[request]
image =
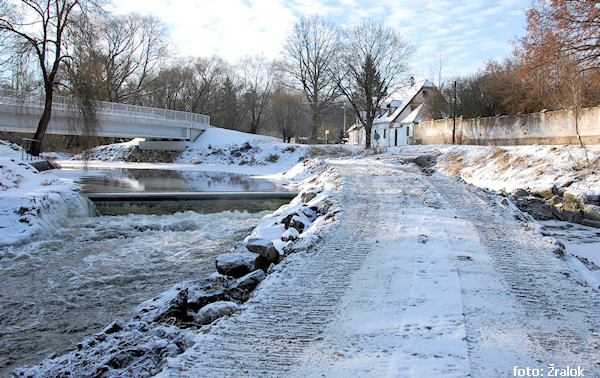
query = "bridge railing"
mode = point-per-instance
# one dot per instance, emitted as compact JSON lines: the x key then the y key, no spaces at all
{"x":194,"y":120}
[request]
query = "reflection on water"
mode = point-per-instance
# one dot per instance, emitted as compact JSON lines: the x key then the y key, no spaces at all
{"x":56,"y":291}
{"x":158,"y":180}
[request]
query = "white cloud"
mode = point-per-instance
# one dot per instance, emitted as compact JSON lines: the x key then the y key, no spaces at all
{"x":234,"y":28}
{"x":230,"y":29}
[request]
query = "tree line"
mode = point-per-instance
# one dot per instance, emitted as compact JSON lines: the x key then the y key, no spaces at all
{"x":554,"y":66}
{"x":76,"y":48}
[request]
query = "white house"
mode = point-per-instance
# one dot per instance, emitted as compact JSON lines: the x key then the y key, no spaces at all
{"x":399,"y":113}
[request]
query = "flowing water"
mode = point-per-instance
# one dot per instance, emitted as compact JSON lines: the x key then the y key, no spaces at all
{"x":59,"y":289}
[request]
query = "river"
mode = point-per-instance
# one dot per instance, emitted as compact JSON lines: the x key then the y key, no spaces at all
{"x":57,"y":290}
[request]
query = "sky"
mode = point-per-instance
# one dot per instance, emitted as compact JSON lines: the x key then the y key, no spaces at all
{"x":464,"y":33}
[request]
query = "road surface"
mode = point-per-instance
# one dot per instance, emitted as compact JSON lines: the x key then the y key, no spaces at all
{"x":419,"y":276}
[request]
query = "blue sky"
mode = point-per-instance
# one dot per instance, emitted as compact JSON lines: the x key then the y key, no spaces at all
{"x":465,"y":32}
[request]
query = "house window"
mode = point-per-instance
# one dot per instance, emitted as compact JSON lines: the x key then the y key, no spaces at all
{"x":384,"y":135}
{"x":407,"y":130}
{"x":424,"y":93}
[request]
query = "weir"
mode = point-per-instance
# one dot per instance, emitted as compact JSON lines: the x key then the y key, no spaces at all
{"x":176,"y":196}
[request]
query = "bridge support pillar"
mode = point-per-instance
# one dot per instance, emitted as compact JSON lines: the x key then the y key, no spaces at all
{"x":163,"y":145}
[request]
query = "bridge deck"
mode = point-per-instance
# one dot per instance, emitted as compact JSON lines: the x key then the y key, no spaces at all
{"x":19,"y":113}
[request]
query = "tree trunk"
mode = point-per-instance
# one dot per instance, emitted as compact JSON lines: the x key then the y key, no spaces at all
{"x":368,"y":128}
{"x":314,"y":130}
{"x":576,"y":111}
{"x":36,"y":146}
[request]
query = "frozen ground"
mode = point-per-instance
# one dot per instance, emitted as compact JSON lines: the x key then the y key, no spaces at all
{"x":420,"y":276}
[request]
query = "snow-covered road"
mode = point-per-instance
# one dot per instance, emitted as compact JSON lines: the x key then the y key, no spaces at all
{"x":420,"y":276}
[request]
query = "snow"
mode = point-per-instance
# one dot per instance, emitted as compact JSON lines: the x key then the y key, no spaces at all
{"x":215,"y":150}
{"x":582,"y":245}
{"x":218,"y":137}
{"x":233,"y":151}
{"x":401,"y":298}
{"x":33,"y":203}
{"x":519,"y":167}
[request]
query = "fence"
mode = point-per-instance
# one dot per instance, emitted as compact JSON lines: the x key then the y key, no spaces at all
{"x":12,"y":97}
{"x":556,"y":127}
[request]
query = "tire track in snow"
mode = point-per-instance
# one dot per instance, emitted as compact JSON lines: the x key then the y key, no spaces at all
{"x":292,"y":307}
{"x":558,"y":317}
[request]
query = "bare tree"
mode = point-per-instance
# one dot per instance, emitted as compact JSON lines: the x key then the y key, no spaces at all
{"x":311,"y":53}
{"x":436,"y":70}
{"x":287,"y":112}
{"x":257,"y":74}
{"x":41,"y":26}
{"x":373,"y":61}
{"x":124,"y":51}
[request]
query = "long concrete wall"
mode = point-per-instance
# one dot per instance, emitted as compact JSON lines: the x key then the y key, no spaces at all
{"x":557,"y":127}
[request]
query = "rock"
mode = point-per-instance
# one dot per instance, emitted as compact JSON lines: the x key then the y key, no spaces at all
{"x":299,"y":222}
{"x":535,"y":206}
{"x":324,"y":206}
{"x":519,"y":193}
{"x":309,"y":194}
{"x":265,"y":248}
{"x":171,"y":304}
{"x":555,"y":200}
{"x":574,"y":206}
{"x":309,"y":212}
{"x":245,"y":285}
{"x":132,"y":351}
{"x":544,"y":192}
{"x":237,"y":264}
{"x":115,"y":326}
{"x":559,"y":249}
{"x":209,"y":290}
{"x":425,"y":161}
{"x":290,"y":234}
{"x":287,"y":219}
{"x":591,"y":212}
{"x":214,"y":311}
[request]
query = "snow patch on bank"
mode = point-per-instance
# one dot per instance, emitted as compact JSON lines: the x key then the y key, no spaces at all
{"x":32,"y":202}
{"x":523,"y":167}
{"x":237,"y":152}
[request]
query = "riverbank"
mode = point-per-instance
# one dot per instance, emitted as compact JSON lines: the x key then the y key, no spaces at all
{"x":173,"y":318}
{"x":33,"y":203}
{"x":287,"y":238}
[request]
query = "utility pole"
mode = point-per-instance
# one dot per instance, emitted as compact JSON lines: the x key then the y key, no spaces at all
{"x":343,"y":107}
{"x":454,"y":115}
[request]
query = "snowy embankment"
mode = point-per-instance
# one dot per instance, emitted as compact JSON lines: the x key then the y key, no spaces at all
{"x":166,"y":325}
{"x":32,"y":202}
{"x":216,"y":149}
{"x":550,"y":183}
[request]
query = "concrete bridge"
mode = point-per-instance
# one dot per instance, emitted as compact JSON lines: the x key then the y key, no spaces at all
{"x":163,"y":129}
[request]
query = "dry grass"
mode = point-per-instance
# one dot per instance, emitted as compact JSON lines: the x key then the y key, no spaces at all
{"x":326,"y":151}
{"x":452,"y":163}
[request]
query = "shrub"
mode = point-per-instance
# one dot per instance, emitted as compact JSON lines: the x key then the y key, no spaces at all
{"x":272,"y":158}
